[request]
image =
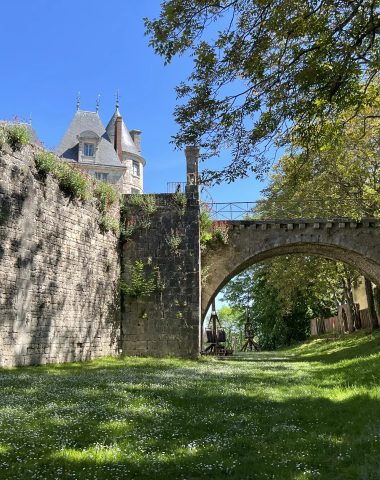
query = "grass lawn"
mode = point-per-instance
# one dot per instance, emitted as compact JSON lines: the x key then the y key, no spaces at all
{"x":312,"y":411}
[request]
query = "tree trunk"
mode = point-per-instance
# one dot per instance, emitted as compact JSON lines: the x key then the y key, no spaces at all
{"x":371,"y":304}
{"x":376,"y":297}
{"x":347,"y":289}
{"x":354,"y":306}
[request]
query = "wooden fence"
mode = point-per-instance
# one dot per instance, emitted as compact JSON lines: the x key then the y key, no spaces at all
{"x":341,"y":323}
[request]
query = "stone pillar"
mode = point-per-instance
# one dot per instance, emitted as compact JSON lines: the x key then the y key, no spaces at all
{"x":192,"y":158}
{"x":167,"y":321}
{"x":136,"y":137}
{"x":193,"y":204}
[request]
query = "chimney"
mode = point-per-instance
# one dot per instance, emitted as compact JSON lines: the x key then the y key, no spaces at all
{"x":136,"y":137}
{"x":117,"y":139}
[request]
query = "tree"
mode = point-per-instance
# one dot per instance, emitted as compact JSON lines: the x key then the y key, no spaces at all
{"x":251,"y":290}
{"x":266,"y":72}
{"x":340,"y":178}
{"x":232,"y":320}
{"x":283,"y":294}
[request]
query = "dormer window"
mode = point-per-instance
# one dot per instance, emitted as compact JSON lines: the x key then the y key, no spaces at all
{"x":135,"y":168}
{"x":88,"y":149}
{"x":88,"y":146}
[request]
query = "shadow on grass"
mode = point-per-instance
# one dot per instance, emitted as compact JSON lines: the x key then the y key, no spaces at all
{"x":170,"y":419}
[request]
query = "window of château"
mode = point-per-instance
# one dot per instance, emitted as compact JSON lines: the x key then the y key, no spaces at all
{"x":135,"y":169}
{"x":89,"y":149}
{"x":101,"y":176}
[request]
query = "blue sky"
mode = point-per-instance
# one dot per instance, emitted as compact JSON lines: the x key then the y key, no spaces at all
{"x":52,"y":49}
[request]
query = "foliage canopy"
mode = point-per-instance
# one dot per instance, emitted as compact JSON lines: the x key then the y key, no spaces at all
{"x":265,"y":72}
{"x":341,"y":178}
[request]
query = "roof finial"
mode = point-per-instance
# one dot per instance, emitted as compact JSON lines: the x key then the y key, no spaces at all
{"x":117,"y":98}
{"x":97,"y":103}
{"x":78,"y":101}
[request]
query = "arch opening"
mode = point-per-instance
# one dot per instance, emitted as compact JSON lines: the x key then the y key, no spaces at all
{"x":231,"y":265}
{"x":332,"y":302}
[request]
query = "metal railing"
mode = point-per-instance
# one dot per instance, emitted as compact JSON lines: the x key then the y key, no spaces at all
{"x":310,"y":208}
{"x":232,"y":210}
{"x":347,"y":207}
{"x":172,"y":187}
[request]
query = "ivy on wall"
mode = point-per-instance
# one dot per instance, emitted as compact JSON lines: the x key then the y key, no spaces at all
{"x":143,"y":280}
{"x":174,"y":241}
{"x":180,"y":201}
{"x":136,"y":214}
{"x":212,"y":233}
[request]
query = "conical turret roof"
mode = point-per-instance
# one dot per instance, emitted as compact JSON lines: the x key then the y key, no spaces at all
{"x":127,"y":144}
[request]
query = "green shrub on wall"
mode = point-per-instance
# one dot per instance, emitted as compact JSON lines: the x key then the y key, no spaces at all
{"x":17,"y":136}
{"x":143,"y":280}
{"x":127,"y":229}
{"x":70,"y":179}
{"x":108,"y":223}
{"x":73,"y":181}
{"x":14,"y":134}
{"x":136,"y":214}
{"x":3,"y":137}
{"x":77,"y":184}
{"x":147,"y":203}
{"x":212,"y":232}
{"x":205,"y":221}
{"x":106,"y":194}
{"x":174,"y":241}
{"x":220,"y":231}
{"x":205,"y":273}
{"x":46,"y":163}
{"x":180,"y":202}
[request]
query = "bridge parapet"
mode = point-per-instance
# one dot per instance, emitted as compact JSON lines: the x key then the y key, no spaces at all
{"x":301,"y":224}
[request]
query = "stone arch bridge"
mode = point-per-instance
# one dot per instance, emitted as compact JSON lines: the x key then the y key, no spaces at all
{"x":356,"y":243}
{"x":169,"y":321}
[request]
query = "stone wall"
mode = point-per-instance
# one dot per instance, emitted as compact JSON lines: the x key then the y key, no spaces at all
{"x":58,"y":273}
{"x":167,"y":321}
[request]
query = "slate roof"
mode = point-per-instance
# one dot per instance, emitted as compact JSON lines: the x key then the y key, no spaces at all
{"x":127,"y":144}
{"x":88,"y":121}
